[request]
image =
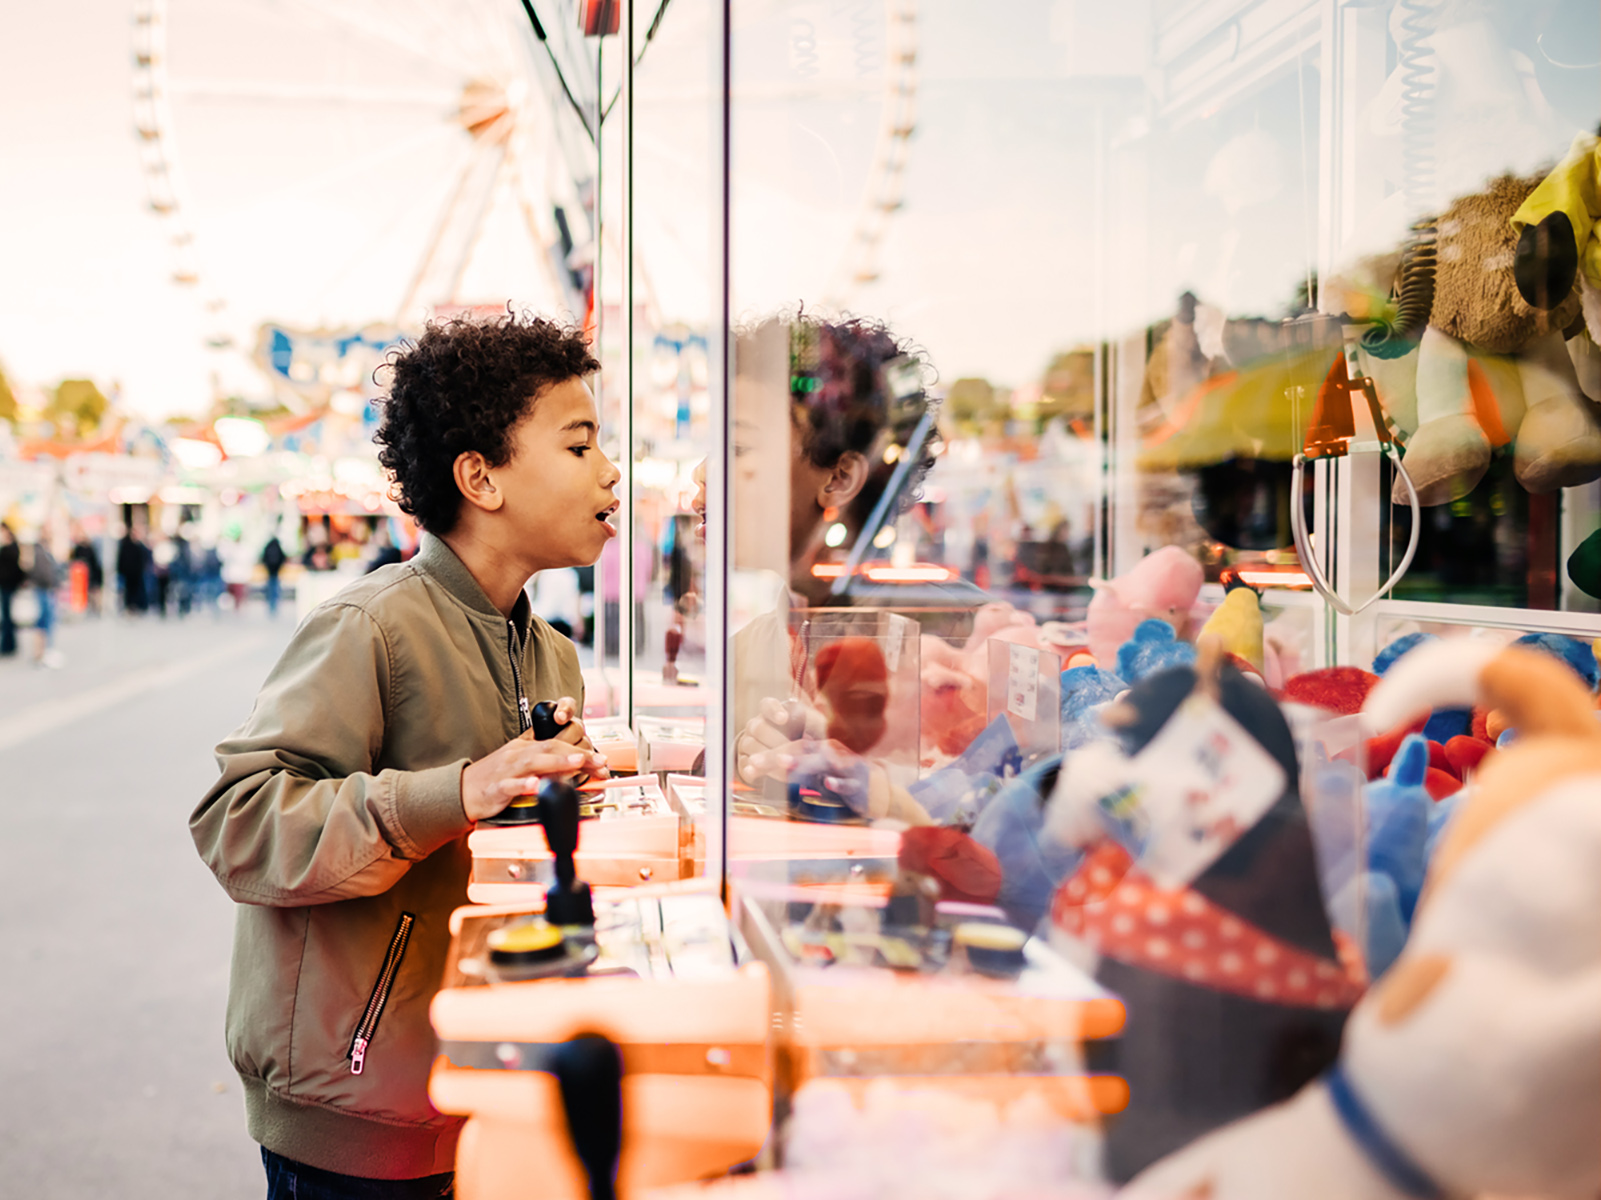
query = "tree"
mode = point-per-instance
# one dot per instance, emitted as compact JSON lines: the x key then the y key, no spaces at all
{"x":1069,"y":386}
{"x":77,"y":407}
{"x":973,"y":404}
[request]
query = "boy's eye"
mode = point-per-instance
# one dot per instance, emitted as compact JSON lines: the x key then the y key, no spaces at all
{"x":579,"y":450}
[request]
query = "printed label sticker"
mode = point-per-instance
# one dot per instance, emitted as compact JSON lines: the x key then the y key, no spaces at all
{"x":1023,"y":682}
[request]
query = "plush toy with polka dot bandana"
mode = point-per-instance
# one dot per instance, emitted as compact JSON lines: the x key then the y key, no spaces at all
{"x":1234,"y":987}
{"x":1473,"y":1066}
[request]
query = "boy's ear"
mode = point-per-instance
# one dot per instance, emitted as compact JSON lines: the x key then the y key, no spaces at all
{"x":844,"y":482}
{"x":476,"y":481}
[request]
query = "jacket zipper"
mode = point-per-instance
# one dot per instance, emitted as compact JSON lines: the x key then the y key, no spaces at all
{"x":514,"y":651}
{"x":368,"y":1028}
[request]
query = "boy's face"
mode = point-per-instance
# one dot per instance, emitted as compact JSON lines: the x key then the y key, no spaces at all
{"x":558,"y":485}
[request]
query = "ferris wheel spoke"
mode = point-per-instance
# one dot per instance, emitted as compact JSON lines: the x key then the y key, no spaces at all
{"x":354,"y":167}
{"x":313,"y":93}
{"x":380,"y":26}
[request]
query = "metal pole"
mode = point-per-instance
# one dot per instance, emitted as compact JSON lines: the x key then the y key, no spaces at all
{"x":625,"y":487}
{"x":719,"y":462}
{"x":598,"y":302}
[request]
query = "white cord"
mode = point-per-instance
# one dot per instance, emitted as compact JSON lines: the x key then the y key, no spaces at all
{"x":1303,"y":546}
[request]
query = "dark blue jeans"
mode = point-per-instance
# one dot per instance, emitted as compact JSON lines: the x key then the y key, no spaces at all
{"x":289,"y":1180}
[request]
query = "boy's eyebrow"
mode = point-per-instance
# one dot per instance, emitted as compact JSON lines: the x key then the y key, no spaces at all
{"x":581,"y":423}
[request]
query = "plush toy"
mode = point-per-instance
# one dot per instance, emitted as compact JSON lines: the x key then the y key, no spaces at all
{"x":956,"y":793}
{"x":1234,"y":991}
{"x":1333,"y":689}
{"x":1086,"y":690}
{"x":1237,"y":622}
{"x":1032,"y":864}
{"x":1153,"y":647}
{"x":954,"y":680}
{"x":1557,"y":232}
{"x":966,"y":871}
{"x":1398,"y":822}
{"x":1584,"y":565}
{"x":1163,"y":585}
{"x":1492,"y":370}
{"x":1577,"y":654}
{"x":1443,"y":724}
{"x":1471,"y":1067}
{"x":853,"y":678}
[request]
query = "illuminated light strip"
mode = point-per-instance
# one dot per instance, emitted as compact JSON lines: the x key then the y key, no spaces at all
{"x":1284,"y":579}
{"x":909,"y":574}
{"x":920,"y":574}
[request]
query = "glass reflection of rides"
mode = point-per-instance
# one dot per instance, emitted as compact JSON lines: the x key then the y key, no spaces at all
{"x":848,"y":95}
{"x":344,"y":163}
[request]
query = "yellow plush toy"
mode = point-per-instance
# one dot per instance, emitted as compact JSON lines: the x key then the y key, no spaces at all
{"x":1237,"y":622}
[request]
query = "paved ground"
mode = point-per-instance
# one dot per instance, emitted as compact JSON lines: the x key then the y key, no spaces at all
{"x":114,"y":939}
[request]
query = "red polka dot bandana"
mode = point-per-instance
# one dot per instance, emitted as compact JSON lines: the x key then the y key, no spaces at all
{"x":1109,"y":903}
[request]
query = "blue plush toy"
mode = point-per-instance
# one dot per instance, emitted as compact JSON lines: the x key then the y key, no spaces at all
{"x":1034,"y":864}
{"x":1154,"y":647}
{"x":1085,"y":691}
{"x":1385,"y":659}
{"x":1577,"y":654}
{"x":1444,"y":723}
{"x":1398,"y":808}
{"x":960,"y":790}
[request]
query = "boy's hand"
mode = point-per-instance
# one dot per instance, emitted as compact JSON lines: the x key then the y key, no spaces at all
{"x":574,"y":734}
{"x":785,"y":728}
{"x":516,"y":769}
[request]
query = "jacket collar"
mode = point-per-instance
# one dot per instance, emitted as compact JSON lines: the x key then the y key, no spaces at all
{"x":438,"y":560}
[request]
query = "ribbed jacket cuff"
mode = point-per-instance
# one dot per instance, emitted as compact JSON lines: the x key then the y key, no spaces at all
{"x":428,"y":808}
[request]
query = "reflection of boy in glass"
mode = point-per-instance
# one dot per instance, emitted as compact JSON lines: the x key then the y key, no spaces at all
{"x":854,"y":391}
{"x":851,"y":391}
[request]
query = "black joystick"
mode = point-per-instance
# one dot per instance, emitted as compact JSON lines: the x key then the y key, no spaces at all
{"x":589,"y":1074}
{"x":545,"y":727}
{"x":567,"y":902}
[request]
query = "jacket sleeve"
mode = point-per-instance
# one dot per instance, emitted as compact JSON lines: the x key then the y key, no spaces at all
{"x":300,"y":815}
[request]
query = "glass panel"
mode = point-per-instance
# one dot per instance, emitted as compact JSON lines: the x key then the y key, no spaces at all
{"x":674,"y":312}
{"x":1086,"y":342}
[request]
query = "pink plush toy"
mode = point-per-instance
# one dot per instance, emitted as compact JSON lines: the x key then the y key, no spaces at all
{"x":1164,"y":585}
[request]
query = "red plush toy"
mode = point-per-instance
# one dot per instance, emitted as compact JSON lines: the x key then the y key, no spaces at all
{"x":854,"y":679}
{"x":1334,"y":689}
{"x":967,"y":870}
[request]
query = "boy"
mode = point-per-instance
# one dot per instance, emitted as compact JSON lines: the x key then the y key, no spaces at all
{"x":392,"y":723}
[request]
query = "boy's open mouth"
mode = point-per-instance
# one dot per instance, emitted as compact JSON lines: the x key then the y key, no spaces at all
{"x":604,"y":517}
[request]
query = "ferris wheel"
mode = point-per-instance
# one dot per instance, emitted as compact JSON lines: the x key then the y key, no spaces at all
{"x":345,"y":164}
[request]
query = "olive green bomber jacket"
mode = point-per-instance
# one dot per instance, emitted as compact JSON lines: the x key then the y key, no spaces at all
{"x":337,"y":825}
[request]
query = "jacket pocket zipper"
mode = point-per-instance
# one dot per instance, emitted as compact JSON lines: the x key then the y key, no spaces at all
{"x":380,"y":994}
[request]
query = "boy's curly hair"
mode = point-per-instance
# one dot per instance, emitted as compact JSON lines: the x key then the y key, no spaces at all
{"x":464,"y":385}
{"x":855,"y":386}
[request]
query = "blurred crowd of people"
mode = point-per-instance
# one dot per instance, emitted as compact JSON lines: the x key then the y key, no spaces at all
{"x":162,"y":574}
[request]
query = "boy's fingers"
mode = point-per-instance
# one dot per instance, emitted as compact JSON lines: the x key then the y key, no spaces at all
{"x":566,"y":710}
{"x":573,"y":734}
{"x":534,"y":771}
{"x":764,"y":734}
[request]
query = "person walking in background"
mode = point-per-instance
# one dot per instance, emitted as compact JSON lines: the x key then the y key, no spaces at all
{"x":384,"y":551}
{"x":133,"y":557}
{"x":86,"y":552}
{"x":44,"y":575}
{"x":12,"y":577}
{"x":238,"y":566}
{"x":272,"y":561}
{"x":161,"y":559}
{"x":181,"y":572}
{"x":208,"y":577}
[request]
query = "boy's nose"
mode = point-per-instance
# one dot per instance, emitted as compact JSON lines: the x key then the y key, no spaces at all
{"x":612,"y":475}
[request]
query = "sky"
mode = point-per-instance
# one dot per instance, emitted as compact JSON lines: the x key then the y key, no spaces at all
{"x":1052,"y":191}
